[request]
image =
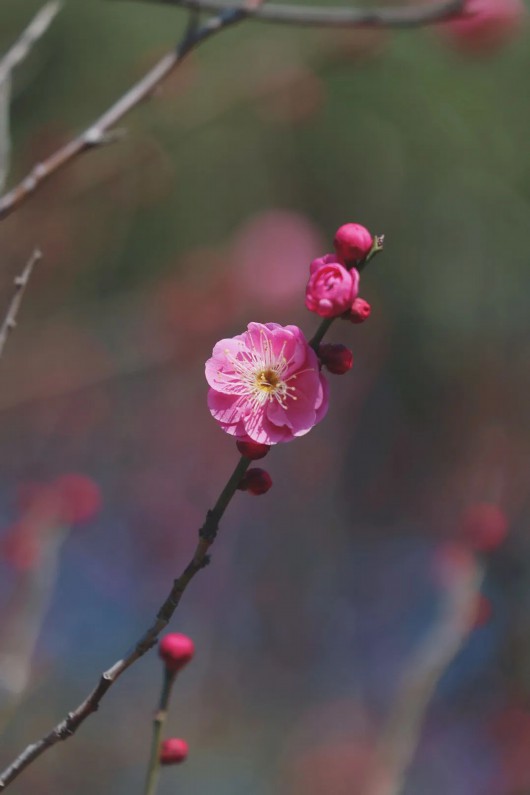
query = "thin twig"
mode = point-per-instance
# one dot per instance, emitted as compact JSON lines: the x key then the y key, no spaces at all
{"x":101,"y":131}
{"x":153,"y":770}
{"x":67,"y":727}
{"x":36,"y":28}
{"x":21,"y":283}
{"x":25,"y":613}
{"x":386,"y":17}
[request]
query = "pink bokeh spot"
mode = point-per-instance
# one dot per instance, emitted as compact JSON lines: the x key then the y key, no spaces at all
{"x":484,"y":26}
{"x":266,"y":385}
{"x":270,"y":253}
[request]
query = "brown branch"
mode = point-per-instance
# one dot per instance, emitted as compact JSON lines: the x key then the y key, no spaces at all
{"x":386,"y":17}
{"x":101,"y":131}
{"x":159,"y":720}
{"x":21,"y":282}
{"x":67,"y":727}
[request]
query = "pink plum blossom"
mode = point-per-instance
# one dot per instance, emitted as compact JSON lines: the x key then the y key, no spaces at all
{"x":331,"y":288}
{"x":266,"y":385}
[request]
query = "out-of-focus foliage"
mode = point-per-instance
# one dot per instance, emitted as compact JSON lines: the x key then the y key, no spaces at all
{"x":205,"y":217}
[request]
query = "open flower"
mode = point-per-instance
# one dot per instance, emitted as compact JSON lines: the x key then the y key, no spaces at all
{"x":265,"y":384}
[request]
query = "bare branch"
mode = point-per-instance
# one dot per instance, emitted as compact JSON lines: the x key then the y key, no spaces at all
{"x":67,"y":727}
{"x":101,"y":131}
{"x":21,"y":283}
{"x":37,"y":27}
{"x":409,"y":16}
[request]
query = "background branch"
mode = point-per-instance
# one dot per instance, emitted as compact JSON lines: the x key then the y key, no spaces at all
{"x":386,"y":17}
{"x":400,"y":737}
{"x":101,"y":132}
{"x":17,"y":53}
{"x":21,"y":283}
{"x":37,"y":28}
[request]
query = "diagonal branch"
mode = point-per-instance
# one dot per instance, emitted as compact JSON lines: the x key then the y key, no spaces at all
{"x":67,"y":727}
{"x":15,"y":55}
{"x":386,"y":17}
{"x":21,"y":282}
{"x":101,"y":131}
{"x":36,"y":28}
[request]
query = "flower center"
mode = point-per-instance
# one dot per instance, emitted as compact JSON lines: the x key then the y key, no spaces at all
{"x":267,"y":380}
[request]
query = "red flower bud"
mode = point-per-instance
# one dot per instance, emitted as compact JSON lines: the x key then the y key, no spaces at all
{"x":252,"y":450}
{"x":360,"y":311}
{"x":352,"y":242}
{"x":176,"y":651}
{"x":256,"y":481}
{"x":337,"y":358}
{"x":173,"y":751}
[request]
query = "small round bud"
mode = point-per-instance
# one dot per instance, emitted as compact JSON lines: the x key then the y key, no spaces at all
{"x":256,"y":481}
{"x":360,"y":311}
{"x":352,"y":242}
{"x":337,"y":358}
{"x":173,"y":751}
{"x":176,"y":651}
{"x":252,"y":450}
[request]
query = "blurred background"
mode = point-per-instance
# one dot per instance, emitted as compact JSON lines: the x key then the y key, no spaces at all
{"x":320,"y":593}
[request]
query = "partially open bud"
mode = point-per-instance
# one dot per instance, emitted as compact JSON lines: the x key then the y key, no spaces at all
{"x":176,"y":651}
{"x":252,"y":450}
{"x":331,"y":288}
{"x":337,"y":358}
{"x":352,"y":242}
{"x":360,"y":311}
{"x":173,"y":751}
{"x":256,"y":481}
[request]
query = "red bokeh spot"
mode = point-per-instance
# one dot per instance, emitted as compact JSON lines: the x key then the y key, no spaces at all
{"x":483,"y":526}
{"x":20,"y":548}
{"x":79,"y":498}
{"x":483,"y":613}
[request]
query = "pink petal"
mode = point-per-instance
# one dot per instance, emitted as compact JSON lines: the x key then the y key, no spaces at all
{"x":228,"y":410}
